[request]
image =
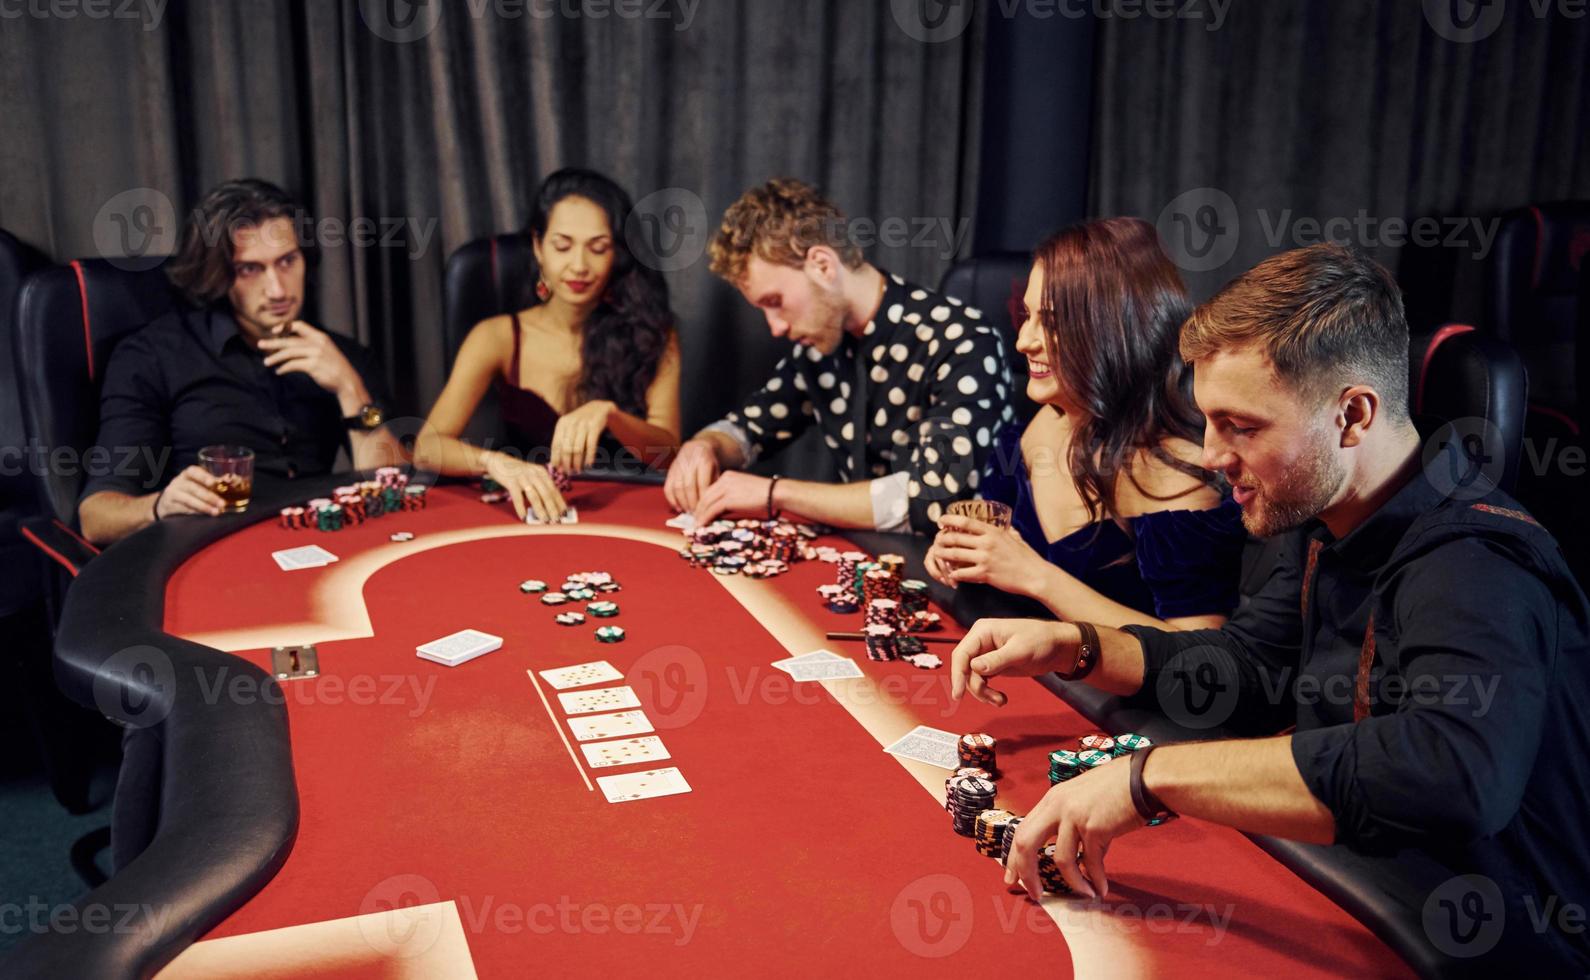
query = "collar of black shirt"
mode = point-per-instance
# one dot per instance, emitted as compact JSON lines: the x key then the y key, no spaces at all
{"x":1369,"y":546}
{"x":218,"y":328}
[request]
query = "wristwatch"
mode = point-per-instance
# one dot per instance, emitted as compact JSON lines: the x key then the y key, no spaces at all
{"x":369,"y":419}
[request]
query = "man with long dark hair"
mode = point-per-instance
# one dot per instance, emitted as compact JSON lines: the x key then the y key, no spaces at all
{"x":239,"y":367}
{"x":1422,"y":636}
{"x":909,"y":388}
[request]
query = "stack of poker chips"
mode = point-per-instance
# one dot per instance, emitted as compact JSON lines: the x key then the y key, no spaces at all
{"x":883,"y":612}
{"x":881,"y":642}
{"x":978,"y":750}
{"x":892,"y":564}
{"x":1130,"y":742}
{"x":989,"y":831}
{"x":880,"y":583}
{"x":967,"y":796}
{"x":913,"y":596}
{"x":352,"y":505}
{"x":1099,"y":741}
{"x":845,"y":569}
{"x":923,"y":621}
{"x":414,"y":497}
{"x":1063,"y":765}
{"x":756,"y":549}
{"x":1006,"y":838}
{"x":1049,"y":872}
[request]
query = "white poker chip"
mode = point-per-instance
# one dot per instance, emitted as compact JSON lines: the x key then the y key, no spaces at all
{"x":403,"y":536}
{"x":532,"y":585}
{"x":926,"y":661}
{"x":570,"y":618}
{"x":554,"y":599}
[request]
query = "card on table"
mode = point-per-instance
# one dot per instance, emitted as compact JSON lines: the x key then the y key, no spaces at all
{"x":683,"y":522}
{"x":458,"y":648}
{"x":930,"y":745}
{"x":606,"y":699}
{"x":580,"y":675}
{"x":642,"y":785}
{"x":805,"y":658}
{"x":570,"y":516}
{"x":309,"y":556}
{"x":826,"y":670}
{"x":624,"y":751}
{"x":617,"y":724}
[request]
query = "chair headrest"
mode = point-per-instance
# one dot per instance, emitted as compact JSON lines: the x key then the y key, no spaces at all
{"x":485,"y":278}
{"x":1470,"y":378}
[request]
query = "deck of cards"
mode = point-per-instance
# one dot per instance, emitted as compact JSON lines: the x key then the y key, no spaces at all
{"x":310,"y":556}
{"x":819,"y":665}
{"x":459,"y":648}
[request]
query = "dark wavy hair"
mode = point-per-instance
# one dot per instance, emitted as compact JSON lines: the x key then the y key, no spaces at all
{"x":1113,"y":306}
{"x":202,"y":270}
{"x":627,"y":334}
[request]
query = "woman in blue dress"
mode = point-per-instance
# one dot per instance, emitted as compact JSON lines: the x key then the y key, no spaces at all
{"x":1114,"y":520}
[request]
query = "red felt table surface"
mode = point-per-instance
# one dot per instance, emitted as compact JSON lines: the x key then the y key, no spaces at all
{"x":802,"y":848}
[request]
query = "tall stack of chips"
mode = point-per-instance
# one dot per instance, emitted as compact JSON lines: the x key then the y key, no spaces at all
{"x":1008,"y":838}
{"x":967,"y":797}
{"x":880,"y":583}
{"x":913,"y":596}
{"x":989,"y":830}
{"x":978,"y":750}
{"x":1049,"y":872}
{"x":883,"y":612}
{"x":881,"y":642}
{"x":1063,"y":765}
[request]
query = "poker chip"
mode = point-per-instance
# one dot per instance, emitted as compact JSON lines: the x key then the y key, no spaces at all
{"x":1093,"y":758}
{"x":569,"y":618}
{"x":880,"y":642}
{"x":1130,"y":742}
{"x":925,"y":661}
{"x":988,"y":829}
{"x":913,"y":596}
{"x":1063,"y":765}
{"x":1007,"y":838}
{"x":554,"y":599}
{"x":923,"y":621}
{"x":845,"y":602}
{"x":968,"y":796}
{"x":1098,"y":740}
{"x":532,"y":586}
{"x":494,"y":496}
{"x":603,"y":610}
{"x":582,"y":594}
{"x":606,"y":587}
{"x":906,"y":647}
{"x":402,"y":536}
{"x":610,"y":634}
{"x":978,"y":750}
{"x":1049,"y":872}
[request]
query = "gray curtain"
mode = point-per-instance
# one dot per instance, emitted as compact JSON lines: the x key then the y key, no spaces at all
{"x":1234,"y":139}
{"x":436,"y":120}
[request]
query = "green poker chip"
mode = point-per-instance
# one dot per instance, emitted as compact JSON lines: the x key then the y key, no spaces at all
{"x":603,"y":609}
{"x":533,"y":585}
{"x":610,"y":634}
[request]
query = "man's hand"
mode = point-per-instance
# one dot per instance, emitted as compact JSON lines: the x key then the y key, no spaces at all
{"x":1083,"y":815}
{"x":302,"y":349}
{"x":529,"y":485}
{"x":693,"y":470}
{"x":191,"y":492}
{"x":577,"y":434}
{"x":733,"y":493}
{"x":967,"y":550}
{"x":1013,"y":648}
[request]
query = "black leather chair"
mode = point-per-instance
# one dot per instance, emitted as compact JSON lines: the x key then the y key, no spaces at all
{"x":1462,"y":374}
{"x":67,"y":320}
{"x":485,"y":278}
{"x":994,"y":284}
{"x":19,"y":561}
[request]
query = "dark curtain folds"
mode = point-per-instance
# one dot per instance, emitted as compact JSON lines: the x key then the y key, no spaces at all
{"x":443,"y":138}
{"x":1293,"y":111}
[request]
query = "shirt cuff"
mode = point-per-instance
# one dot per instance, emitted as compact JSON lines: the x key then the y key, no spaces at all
{"x":891,"y":504}
{"x":748,"y":450}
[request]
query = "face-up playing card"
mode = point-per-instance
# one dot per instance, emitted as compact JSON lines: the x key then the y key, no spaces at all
{"x":825,"y":670}
{"x":310,"y":556}
{"x":815,"y":655}
{"x":624,"y":751}
{"x":642,"y":785}
{"x":581,"y":675}
{"x":930,"y":745}
{"x":570,"y":516}
{"x":607,"y":699}
{"x":615,"y":725}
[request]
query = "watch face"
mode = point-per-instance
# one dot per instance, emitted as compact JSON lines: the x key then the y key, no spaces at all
{"x":371,"y":416}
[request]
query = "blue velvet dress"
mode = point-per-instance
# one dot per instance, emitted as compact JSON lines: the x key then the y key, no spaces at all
{"x":1172,"y":563}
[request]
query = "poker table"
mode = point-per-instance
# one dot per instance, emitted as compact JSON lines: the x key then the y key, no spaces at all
{"x":393,"y":817}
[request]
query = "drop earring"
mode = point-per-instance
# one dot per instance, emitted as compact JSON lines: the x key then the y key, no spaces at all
{"x":543,"y":291}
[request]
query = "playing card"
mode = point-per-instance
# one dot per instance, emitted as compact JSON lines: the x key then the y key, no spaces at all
{"x":607,"y":699}
{"x":825,"y":670}
{"x":310,"y":556}
{"x":460,"y":647}
{"x":624,"y":751}
{"x":683,"y":522}
{"x":924,"y":744}
{"x":815,"y":655}
{"x":617,"y":724}
{"x":570,"y":516}
{"x":642,"y":785}
{"x":581,"y":675}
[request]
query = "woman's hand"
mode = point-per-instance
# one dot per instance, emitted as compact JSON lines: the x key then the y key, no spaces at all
{"x":967,"y":550}
{"x":578,"y":432}
{"x":529,"y":485}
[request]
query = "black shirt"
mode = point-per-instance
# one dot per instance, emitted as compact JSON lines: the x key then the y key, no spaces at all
{"x":1474,"y":748}
{"x":189,"y":380}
